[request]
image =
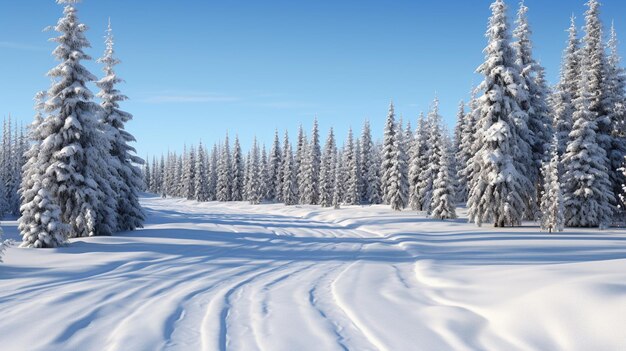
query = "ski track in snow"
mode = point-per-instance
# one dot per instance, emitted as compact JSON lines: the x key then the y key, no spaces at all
{"x":233,"y":276}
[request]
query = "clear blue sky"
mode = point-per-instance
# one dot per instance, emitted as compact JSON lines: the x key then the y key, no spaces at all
{"x":195,"y":69}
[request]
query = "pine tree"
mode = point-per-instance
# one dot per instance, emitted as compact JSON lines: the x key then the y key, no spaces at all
{"x":189,"y":173}
{"x":500,"y":187}
{"x":289,"y":194}
{"x":327,"y":171}
{"x":213,"y":173}
{"x":567,"y":89}
{"x":616,"y":81}
{"x":299,"y":161}
{"x":224,"y":174}
{"x":442,"y":204}
{"x":370,"y":166}
{"x":237,"y":173}
{"x":433,"y":155}
{"x":460,"y":155}
{"x":147,"y":176}
{"x":129,"y":212}
{"x":253,"y":189}
{"x":337,"y":175}
{"x":394,"y":180}
{"x":264,"y":170}
{"x":418,"y":164}
{"x":310,"y":186}
{"x":274,"y":183}
{"x":586,"y":185}
{"x":552,"y":197}
{"x":201,"y":178}
{"x":351,"y":195}
{"x":40,"y":223}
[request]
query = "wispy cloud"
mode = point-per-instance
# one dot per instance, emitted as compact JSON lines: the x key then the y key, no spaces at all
{"x":21,"y":46}
{"x":288,"y":105}
{"x":187,"y":97}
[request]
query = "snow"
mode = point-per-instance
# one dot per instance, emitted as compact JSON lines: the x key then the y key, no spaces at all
{"x":214,"y":276}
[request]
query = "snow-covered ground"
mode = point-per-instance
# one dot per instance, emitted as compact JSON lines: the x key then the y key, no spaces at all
{"x":216,"y":276}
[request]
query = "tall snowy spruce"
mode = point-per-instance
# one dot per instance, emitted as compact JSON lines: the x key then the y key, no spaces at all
{"x":616,"y":82}
{"x":567,"y":89}
{"x":189,"y":173}
{"x":74,"y":152}
{"x":432,"y":157}
{"x":351,"y":195}
{"x":224,"y":174}
{"x":418,"y":163}
{"x":443,"y":205}
{"x":370,"y":168}
{"x":459,"y":153}
{"x":254,"y":188}
{"x":551,"y":196}
{"x":500,"y":187}
{"x":393,"y":179}
{"x":289,"y":182}
{"x":274,"y":181}
{"x":129,"y":212}
{"x":586,"y":185}
{"x":310,"y":185}
{"x":237,"y":169}
{"x":40,"y":222}
{"x":327,"y":171}
{"x":201,"y":178}
{"x":595,"y":66}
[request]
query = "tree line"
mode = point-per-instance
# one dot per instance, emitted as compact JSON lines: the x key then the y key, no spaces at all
{"x":521,"y":150}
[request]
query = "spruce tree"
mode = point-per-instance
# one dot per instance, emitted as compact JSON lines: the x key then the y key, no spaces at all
{"x":327,"y":171}
{"x":213,"y":172}
{"x":253,"y":189}
{"x":189,"y":173}
{"x":289,"y":183}
{"x":224,"y":174}
{"x":443,"y":199}
{"x":274,"y":183}
{"x":586,"y":184}
{"x":370,"y":168}
{"x":201,"y":178}
{"x":310,"y":185}
{"x":500,"y":187}
{"x":552,"y":197}
{"x":129,"y":212}
{"x":299,"y":162}
{"x":351,"y":195}
{"x":237,"y":169}
{"x":433,"y":156}
{"x":418,"y":163}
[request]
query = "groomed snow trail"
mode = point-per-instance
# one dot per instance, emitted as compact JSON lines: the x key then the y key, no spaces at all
{"x":216,"y":276}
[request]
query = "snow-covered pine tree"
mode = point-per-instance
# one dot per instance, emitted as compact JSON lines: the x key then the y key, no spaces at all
{"x":264,"y":174}
{"x":310,"y":185}
{"x":443,"y":199}
{"x":586,"y":186}
{"x":40,"y":222}
{"x":337,"y":181}
{"x":189,"y":173}
{"x":418,"y":163}
{"x":402,"y":201}
{"x":370,"y":166}
{"x":351,"y":194}
{"x":433,"y":156}
{"x":327,"y":171}
{"x":552,"y":197}
{"x":616,"y":81}
{"x":6,"y":181}
{"x":201,"y":177}
{"x":539,"y":121}
{"x":147,"y":176}
{"x":461,"y":156}
{"x":499,"y":188}
{"x":253,"y":190}
{"x":567,"y":88}
{"x":594,"y":63}
{"x":224,"y":173}
{"x":213,"y":173}
{"x":274,"y":183}
{"x":289,"y":195}
{"x":129,"y":212}
{"x":394,"y":179}
{"x":237,"y":169}
{"x":299,"y":160}
{"x":164,"y":175}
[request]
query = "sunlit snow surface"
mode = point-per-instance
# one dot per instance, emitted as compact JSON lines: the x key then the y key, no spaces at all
{"x":233,"y":276}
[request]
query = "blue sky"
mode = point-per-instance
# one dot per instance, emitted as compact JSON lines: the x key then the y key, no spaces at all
{"x":195,"y":69}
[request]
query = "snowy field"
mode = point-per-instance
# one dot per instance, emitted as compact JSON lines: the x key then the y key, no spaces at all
{"x":232,"y":276}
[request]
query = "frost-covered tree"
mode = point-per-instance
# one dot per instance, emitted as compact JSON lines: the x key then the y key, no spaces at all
{"x":337,"y":175}
{"x":254,"y":188}
{"x":433,"y":156}
{"x":586,"y":185}
{"x":460,"y":156}
{"x":500,"y":187}
{"x":129,"y":212}
{"x":392,"y":167}
{"x":40,"y":222}
{"x":370,"y":168}
{"x":418,"y":163}
{"x":567,"y":88}
{"x":189,"y":173}
{"x":237,"y":169}
{"x":539,"y":121}
{"x":147,"y":176}
{"x":289,"y":195}
{"x":224,"y":174}
{"x":351,"y":194}
{"x":327,"y":171}
{"x":310,"y":184}
{"x":299,"y":160}
{"x":616,"y":82}
{"x":213,"y":173}
{"x":442,"y":205}
{"x":264,"y":172}
{"x":552,"y":197}
{"x":274,"y":181}
{"x":201,"y":177}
